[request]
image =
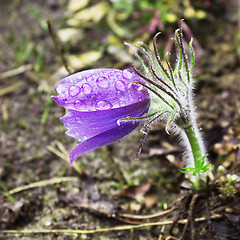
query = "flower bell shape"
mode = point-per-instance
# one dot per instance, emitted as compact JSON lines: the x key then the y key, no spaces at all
{"x":95,"y":100}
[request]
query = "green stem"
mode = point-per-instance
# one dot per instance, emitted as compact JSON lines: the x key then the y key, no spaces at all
{"x":197,"y":156}
{"x":194,"y":143}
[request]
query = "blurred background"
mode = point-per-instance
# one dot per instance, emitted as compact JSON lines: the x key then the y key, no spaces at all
{"x":33,"y":147}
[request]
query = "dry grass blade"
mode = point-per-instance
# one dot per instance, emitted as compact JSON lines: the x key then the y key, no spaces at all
{"x":43,"y":183}
{"x":11,"y":88}
{"x":16,"y":71}
{"x":64,"y":154}
{"x":155,"y":215}
{"x":118,"y":228}
{"x":5,"y":109}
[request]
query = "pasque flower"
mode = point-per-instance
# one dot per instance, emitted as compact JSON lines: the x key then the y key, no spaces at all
{"x":105,"y":104}
{"x":95,"y":100}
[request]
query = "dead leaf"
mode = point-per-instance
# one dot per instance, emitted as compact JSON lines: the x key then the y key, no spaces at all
{"x":136,"y":192}
{"x":88,"y":15}
{"x":71,"y":35}
{"x":75,"y":5}
{"x":150,"y":200}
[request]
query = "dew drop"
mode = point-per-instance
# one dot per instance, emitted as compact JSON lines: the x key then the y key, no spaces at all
{"x":102,"y":82}
{"x":74,"y":90}
{"x":120,"y":85}
{"x":84,"y":138}
{"x":111,"y":74}
{"x":127,"y":73}
{"x":79,"y":105}
{"x":138,"y":87}
{"x":90,"y":79}
{"x":103,"y":105}
{"x":130,"y":97}
{"x":120,"y":93}
{"x":77,"y":119}
{"x":122,"y":104}
{"x":86,"y":88}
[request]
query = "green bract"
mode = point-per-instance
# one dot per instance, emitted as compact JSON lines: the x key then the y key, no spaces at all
{"x":171,"y":97}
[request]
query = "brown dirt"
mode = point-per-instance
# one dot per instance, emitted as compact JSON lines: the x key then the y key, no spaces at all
{"x":29,"y":124}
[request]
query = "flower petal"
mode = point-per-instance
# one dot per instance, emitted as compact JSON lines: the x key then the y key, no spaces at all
{"x":84,"y":125}
{"x":75,"y":78}
{"x":96,"y":99}
{"x":99,"y":89}
{"x":101,"y":139}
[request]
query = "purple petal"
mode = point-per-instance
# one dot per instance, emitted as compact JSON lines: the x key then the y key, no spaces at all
{"x":96,"y":100}
{"x":99,"y":89}
{"x":84,"y":125}
{"x":75,"y":78}
{"x":101,"y":139}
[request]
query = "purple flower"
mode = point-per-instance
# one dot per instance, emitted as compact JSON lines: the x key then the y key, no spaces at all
{"x":96,"y":99}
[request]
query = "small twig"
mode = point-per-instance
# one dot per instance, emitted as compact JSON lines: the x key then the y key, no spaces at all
{"x":161,"y":233}
{"x":54,"y":39}
{"x":43,"y":183}
{"x":142,"y":140}
{"x":171,"y":238}
{"x":190,"y":216}
{"x":174,"y":223}
{"x":15,"y":71}
{"x":208,"y":221}
{"x":118,"y":228}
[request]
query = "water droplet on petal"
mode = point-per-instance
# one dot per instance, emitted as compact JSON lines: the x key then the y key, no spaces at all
{"x":120,"y":93}
{"x":138,"y":87}
{"x":84,"y":138}
{"x":77,"y":119}
{"x":86,"y":88}
{"x":79,"y":105}
{"x":90,"y":79}
{"x":122,"y":104}
{"x":120,"y":85}
{"x":103,"y":105}
{"x":111,"y":73}
{"x":127,"y":73}
{"x":74,"y":90}
{"x":130,"y":97}
{"x":102,"y":82}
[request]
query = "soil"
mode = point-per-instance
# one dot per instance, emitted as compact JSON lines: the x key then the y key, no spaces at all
{"x":107,"y":189}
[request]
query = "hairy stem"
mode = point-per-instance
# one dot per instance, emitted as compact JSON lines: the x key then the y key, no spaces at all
{"x":196,"y":153}
{"x":194,"y":143}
